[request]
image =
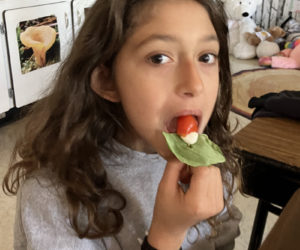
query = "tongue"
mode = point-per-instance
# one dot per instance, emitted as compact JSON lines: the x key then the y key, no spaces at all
{"x":172,"y":127}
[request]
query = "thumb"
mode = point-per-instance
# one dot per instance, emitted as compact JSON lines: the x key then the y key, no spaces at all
{"x":171,"y":175}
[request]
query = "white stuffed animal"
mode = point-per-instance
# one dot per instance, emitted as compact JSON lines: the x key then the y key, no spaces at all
{"x":239,"y":13}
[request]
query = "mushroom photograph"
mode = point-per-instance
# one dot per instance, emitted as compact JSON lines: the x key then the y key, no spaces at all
{"x":39,"y":44}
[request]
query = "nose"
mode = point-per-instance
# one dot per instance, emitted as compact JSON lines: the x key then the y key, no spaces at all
{"x":245,"y":14}
{"x":189,"y":81}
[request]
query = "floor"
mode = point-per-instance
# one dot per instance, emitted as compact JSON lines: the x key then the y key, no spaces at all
{"x":8,"y":135}
{"x":7,"y":204}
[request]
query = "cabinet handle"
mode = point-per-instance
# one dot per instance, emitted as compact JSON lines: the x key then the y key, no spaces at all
{"x":66,"y":20}
{"x":78,"y":18}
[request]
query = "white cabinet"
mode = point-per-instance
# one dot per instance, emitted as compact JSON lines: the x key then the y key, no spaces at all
{"x":35,"y":37}
{"x":6,"y":93}
{"x":38,"y":38}
{"x":80,"y":8}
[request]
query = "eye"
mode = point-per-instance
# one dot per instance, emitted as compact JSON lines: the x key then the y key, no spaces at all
{"x":208,"y":58}
{"x":159,"y":59}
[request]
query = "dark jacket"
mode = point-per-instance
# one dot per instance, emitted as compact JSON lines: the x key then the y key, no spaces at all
{"x":283,"y":104}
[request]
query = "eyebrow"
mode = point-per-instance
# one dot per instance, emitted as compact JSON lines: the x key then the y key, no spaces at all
{"x":174,"y":39}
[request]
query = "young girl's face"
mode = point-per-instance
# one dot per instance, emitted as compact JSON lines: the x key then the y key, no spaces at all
{"x":167,"y":68}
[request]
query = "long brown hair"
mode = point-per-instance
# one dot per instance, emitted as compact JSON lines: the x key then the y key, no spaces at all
{"x":66,"y":130}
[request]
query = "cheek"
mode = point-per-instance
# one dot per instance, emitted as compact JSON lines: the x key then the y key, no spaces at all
{"x":211,"y":93}
{"x":214,"y":91}
{"x":141,"y":96}
{"x":141,"y":109}
{"x":139,"y":101}
{"x":212,"y":86}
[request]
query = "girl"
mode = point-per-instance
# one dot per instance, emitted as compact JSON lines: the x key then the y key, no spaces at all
{"x":95,"y":169}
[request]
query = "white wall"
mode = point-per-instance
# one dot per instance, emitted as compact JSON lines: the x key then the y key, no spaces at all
{"x":273,"y":12}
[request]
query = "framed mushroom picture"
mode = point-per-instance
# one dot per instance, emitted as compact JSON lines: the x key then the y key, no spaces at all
{"x":80,"y":9}
{"x":39,"y":38}
{"x":39,"y":43}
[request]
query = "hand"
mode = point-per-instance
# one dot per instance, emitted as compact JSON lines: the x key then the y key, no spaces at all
{"x":176,"y":211}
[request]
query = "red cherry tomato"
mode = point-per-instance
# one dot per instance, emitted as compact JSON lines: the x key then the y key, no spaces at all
{"x":186,"y":124}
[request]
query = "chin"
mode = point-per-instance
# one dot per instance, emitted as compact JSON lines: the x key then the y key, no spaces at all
{"x":166,"y":153}
{"x":160,"y":146}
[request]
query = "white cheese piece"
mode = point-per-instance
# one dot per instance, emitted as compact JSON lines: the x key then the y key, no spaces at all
{"x":190,"y":138}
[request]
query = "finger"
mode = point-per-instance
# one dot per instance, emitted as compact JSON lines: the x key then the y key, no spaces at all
{"x":206,"y":190}
{"x":206,"y":179}
{"x":171,"y":175}
{"x":185,"y":174}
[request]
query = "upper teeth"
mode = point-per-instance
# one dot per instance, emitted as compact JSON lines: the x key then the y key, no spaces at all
{"x":190,"y":138}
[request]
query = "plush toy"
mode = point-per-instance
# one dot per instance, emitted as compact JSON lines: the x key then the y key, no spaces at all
{"x":292,"y":28}
{"x":239,"y":14}
{"x":288,"y":58}
{"x":266,"y":42}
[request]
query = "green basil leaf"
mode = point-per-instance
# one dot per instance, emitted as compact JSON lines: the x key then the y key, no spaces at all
{"x":203,"y":153}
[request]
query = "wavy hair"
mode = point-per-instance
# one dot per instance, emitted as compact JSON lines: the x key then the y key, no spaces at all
{"x":66,"y":130}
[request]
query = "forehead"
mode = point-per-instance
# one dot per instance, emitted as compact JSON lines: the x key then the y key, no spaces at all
{"x":148,"y":9}
{"x":170,"y":16}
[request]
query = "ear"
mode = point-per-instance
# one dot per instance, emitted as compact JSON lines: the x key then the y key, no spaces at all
{"x":103,"y":85}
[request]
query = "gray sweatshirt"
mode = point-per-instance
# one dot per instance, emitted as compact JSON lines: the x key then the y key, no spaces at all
{"x":42,"y":216}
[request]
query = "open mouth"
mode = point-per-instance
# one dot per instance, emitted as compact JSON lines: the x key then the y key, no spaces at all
{"x":172,"y":125}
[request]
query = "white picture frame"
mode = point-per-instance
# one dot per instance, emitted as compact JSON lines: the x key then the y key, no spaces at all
{"x":78,"y":9}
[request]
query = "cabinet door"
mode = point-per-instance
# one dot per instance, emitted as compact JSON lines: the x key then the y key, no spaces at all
{"x":38,"y":39}
{"x":5,"y":101}
{"x":80,"y":8}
